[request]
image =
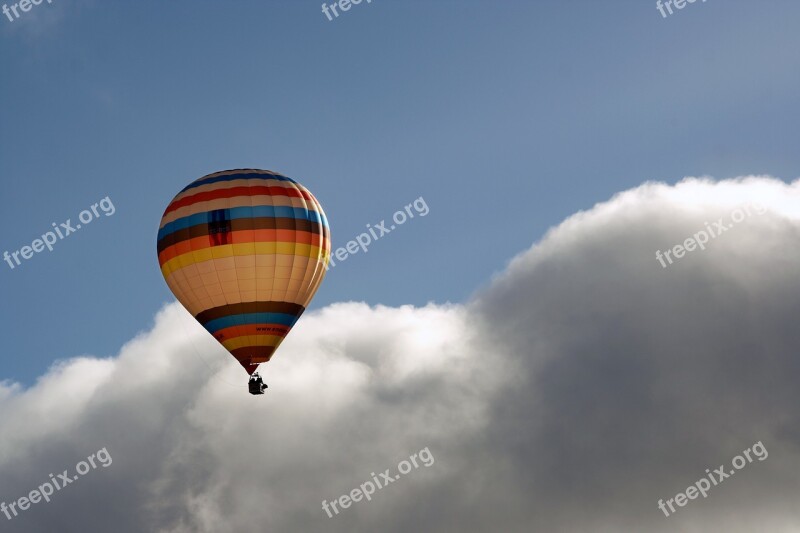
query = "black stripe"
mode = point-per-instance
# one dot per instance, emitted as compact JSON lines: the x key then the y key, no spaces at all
{"x":249,"y":307}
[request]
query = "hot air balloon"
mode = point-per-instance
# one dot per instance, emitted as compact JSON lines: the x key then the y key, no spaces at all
{"x":244,"y":251}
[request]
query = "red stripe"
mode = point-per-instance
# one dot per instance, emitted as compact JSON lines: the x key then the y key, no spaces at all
{"x":238,"y":191}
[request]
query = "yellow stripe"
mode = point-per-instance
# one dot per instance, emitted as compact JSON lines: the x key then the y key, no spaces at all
{"x":251,"y":341}
{"x":245,"y":249}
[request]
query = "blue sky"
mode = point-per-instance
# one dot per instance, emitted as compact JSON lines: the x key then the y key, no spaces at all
{"x":506,"y":117}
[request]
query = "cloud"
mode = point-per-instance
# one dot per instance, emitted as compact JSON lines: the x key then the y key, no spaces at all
{"x":579,"y":387}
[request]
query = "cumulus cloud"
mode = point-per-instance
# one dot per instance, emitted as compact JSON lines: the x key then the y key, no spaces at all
{"x":579,"y":387}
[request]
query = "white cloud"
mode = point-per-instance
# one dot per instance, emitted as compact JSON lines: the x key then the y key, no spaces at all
{"x":571,"y":393}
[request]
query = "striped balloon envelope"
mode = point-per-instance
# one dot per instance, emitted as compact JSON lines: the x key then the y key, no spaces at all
{"x":244,"y":251}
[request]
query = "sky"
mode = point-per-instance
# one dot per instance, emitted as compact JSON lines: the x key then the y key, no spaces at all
{"x":523,"y":331}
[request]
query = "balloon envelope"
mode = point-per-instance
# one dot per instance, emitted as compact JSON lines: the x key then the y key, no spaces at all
{"x":244,"y":251}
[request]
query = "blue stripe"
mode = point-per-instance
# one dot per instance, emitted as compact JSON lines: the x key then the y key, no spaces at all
{"x":231,"y":177}
{"x":251,"y":318}
{"x":243,"y":212}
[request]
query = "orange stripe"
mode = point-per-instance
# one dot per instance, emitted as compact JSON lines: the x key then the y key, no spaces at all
{"x":240,"y":237}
